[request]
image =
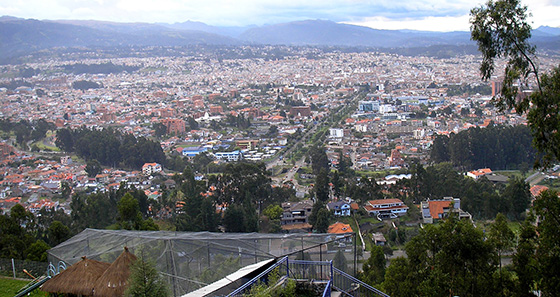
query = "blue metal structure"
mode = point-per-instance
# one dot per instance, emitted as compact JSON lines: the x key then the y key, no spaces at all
{"x":315,"y":271}
{"x":36,"y":283}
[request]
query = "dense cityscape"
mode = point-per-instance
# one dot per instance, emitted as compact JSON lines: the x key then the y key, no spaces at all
{"x":420,"y":181}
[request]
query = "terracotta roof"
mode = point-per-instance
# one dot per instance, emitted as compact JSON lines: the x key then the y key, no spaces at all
{"x":384,"y":201}
{"x":436,"y":207}
{"x":339,"y":227}
{"x":296,"y":226}
{"x":537,"y":189}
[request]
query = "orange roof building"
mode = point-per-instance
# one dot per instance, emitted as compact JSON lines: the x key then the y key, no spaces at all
{"x":433,"y":210}
{"x":339,"y":228}
{"x":476,"y":174}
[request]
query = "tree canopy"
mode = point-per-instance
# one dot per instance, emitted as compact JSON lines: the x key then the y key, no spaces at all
{"x":501,"y":30}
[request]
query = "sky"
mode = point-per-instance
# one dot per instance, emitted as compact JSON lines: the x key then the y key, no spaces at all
{"x":428,"y":15}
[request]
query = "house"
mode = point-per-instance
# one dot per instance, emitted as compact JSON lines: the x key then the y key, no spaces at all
{"x":379,"y":239}
{"x":340,"y":208}
{"x":476,"y":174}
{"x":536,"y":190}
{"x":340,"y":233}
{"x":229,"y":156}
{"x":295,"y":216}
{"x":386,"y":208}
{"x":433,"y":210}
{"x":339,"y":228}
{"x":151,"y":168}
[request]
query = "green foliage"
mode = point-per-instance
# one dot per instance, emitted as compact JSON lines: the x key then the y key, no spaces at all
{"x":452,"y":258}
{"x":37,"y":251}
{"x":459,"y":90}
{"x":9,"y":287}
{"x":374,"y":267}
{"x":501,"y":30}
{"x":57,"y":233}
{"x":322,"y":222}
{"x":322,"y":187}
{"x":85,"y":85}
{"x":96,"y":210}
{"x":110,"y":147}
{"x":130,"y":217}
{"x":27,"y":131}
{"x":273,"y":211}
{"x":318,"y":159}
{"x":544,"y":118}
{"x":496,"y":147}
{"x":340,"y":262}
{"x":145,"y":281}
{"x":93,"y":168}
{"x":547,"y":208}
{"x":525,"y":264}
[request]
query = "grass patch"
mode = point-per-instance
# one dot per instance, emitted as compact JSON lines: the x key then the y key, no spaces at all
{"x":40,"y":145}
{"x":10,"y":286}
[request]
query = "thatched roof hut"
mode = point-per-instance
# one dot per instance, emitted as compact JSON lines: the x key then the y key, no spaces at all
{"x":77,"y":279}
{"x":114,"y":280}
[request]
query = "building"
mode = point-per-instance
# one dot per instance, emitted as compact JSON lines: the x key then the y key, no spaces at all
{"x":340,"y":208}
{"x":379,"y":239}
{"x":368,"y":106}
{"x":396,"y":160}
{"x":151,"y":168}
{"x":229,"y":156}
{"x":386,"y":208}
{"x":339,"y":228}
{"x":476,"y":174}
{"x":295,"y":216}
{"x":336,"y":132}
{"x":300,"y":111}
{"x":434,"y":210}
{"x":174,"y":126}
{"x":193,"y":151}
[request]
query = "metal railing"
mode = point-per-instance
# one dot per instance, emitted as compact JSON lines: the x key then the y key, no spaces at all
{"x":351,"y":286}
{"x":310,"y":270}
{"x":263,"y":277}
{"x":328,"y":289}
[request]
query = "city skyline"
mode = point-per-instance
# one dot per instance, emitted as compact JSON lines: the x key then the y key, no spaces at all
{"x":432,"y":15}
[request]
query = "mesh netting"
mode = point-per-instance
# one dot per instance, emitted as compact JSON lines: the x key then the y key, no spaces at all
{"x":191,"y":260}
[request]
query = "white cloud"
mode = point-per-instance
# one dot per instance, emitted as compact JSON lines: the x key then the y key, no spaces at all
{"x":445,"y":15}
{"x":443,"y":24}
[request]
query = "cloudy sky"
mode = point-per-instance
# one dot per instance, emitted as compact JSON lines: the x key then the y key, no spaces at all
{"x":432,"y":15}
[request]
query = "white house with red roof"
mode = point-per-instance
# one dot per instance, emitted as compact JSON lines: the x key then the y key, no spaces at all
{"x":476,"y":174}
{"x":151,"y":168}
{"x":386,"y":208}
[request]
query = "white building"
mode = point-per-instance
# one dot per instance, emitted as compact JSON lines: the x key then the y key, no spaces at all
{"x":151,"y":168}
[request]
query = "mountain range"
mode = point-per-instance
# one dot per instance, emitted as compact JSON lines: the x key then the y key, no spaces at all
{"x":23,"y":36}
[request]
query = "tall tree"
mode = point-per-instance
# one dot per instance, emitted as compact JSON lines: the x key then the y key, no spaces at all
{"x":547,"y":208}
{"x":374,"y":267}
{"x":501,"y":30}
{"x":145,"y":281}
{"x":503,"y":239}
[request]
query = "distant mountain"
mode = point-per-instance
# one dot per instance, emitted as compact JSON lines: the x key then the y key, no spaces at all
{"x":19,"y":36}
{"x":546,"y":31}
{"x":23,"y":36}
{"x":319,"y":32}
{"x":199,"y":26}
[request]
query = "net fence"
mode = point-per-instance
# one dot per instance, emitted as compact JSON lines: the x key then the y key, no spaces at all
{"x":191,"y":260}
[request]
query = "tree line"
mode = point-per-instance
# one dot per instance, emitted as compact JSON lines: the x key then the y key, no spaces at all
{"x":457,"y":258}
{"x":496,"y":147}
{"x":110,"y":147}
{"x":26,"y":130}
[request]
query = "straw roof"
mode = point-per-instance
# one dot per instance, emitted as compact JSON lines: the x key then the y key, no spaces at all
{"x":77,"y":279}
{"x":114,"y":280}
